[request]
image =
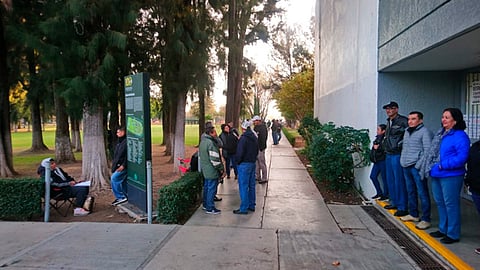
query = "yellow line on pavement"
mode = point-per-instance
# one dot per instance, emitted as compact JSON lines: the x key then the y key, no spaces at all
{"x":433,"y":243}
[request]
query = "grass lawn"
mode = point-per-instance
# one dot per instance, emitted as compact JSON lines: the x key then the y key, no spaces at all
{"x":22,"y":141}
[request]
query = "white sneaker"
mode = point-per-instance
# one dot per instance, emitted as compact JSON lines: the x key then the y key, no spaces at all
{"x":423,"y":225}
{"x":409,"y":218}
{"x":80,"y":212}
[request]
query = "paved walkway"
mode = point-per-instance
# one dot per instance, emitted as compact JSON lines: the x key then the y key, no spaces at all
{"x":292,"y":228}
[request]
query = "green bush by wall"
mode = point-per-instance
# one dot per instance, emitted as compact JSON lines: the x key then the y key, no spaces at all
{"x":177,"y":200}
{"x":21,"y":199}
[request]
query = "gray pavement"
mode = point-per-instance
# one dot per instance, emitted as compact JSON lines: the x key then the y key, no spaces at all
{"x":292,"y":228}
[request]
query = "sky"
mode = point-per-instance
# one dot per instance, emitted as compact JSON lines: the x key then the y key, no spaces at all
{"x":298,"y":12}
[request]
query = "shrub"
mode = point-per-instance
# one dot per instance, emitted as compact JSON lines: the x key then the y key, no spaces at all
{"x":330,"y":150}
{"x":21,"y":199}
{"x":177,"y":200}
{"x":289,"y":135}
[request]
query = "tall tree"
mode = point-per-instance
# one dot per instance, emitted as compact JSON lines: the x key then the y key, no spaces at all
{"x":89,"y":36}
{"x":185,"y":35}
{"x":245,"y":21}
{"x":6,"y":153}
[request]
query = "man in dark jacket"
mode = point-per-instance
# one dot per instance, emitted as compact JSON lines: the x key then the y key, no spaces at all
{"x":262,"y":133}
{"x":119,"y":169}
{"x":396,"y":125}
{"x":246,"y":156}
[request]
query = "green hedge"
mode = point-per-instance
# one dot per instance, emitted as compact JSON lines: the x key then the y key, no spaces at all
{"x":178,"y":199}
{"x":289,"y":135}
{"x":21,"y":199}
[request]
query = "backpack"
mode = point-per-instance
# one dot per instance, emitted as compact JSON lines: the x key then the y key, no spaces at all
{"x":194,"y":162}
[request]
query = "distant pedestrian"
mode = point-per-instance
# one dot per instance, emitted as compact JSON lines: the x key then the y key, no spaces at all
{"x":396,"y":125}
{"x":274,"y":128}
{"x":247,"y":151}
{"x":119,"y":169}
{"x":377,"y":156}
{"x":261,"y":165}
{"x":416,"y":142}
{"x":211,"y":166}
{"x":445,"y":163}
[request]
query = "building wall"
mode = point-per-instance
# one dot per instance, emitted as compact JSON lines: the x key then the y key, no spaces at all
{"x":346,"y":67}
{"x":409,"y":27}
{"x":427,"y":92}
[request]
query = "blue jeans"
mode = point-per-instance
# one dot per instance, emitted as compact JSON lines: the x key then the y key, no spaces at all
{"x":209,"y":192}
{"x":275,"y":137}
{"x":417,"y":188}
{"x":119,"y":184}
{"x":379,"y":169}
{"x":246,"y":186}
{"x":233,"y":164}
{"x":476,"y":200}
{"x":396,"y":182}
{"x":446,"y":193}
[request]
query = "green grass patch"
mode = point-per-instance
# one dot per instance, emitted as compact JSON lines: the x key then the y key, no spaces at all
{"x":22,"y":141}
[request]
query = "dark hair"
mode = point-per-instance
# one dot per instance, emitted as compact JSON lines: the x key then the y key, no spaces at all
{"x":222,"y":127}
{"x":382,"y":126}
{"x":457,"y":115}
{"x":122,"y":128}
{"x":420,"y":115}
{"x":209,"y":129}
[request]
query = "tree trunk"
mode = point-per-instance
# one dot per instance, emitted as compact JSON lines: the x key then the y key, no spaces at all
{"x":76,"y":138}
{"x":6,"y":154}
{"x":37,"y":137}
{"x":94,"y":160}
{"x":63,"y":146}
{"x":179,"y":149}
{"x":201,"y":118}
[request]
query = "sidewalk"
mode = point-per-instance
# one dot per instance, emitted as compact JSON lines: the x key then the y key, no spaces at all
{"x":292,"y":228}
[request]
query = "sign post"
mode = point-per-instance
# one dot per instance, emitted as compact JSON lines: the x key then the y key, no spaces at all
{"x":139,"y":140}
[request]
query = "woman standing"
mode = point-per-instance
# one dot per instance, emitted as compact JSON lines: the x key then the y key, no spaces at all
{"x":446,"y":162}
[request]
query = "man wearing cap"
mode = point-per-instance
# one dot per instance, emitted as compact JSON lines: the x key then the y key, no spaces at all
{"x":246,"y":156}
{"x":261,"y":165}
{"x":396,"y":126}
{"x":212,"y":168}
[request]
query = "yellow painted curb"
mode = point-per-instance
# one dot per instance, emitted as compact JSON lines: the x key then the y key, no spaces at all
{"x":434,"y":244}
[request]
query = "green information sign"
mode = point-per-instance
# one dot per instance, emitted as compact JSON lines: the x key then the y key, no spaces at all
{"x":139,"y":140}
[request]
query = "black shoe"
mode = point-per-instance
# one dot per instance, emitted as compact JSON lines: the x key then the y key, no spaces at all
{"x":251,"y":209}
{"x":115,"y":202}
{"x":400,"y":213}
{"x":389,"y":207}
{"x":376,"y":197}
{"x":262,"y":181}
{"x":238,"y":212}
{"x":120,"y":201}
{"x":228,"y":176}
{"x":383,"y":198}
{"x":437,"y":234}
{"x":217,"y":199}
{"x":220,"y":181}
{"x":448,"y":240}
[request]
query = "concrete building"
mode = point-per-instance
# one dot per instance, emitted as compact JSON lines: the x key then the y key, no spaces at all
{"x":423,"y":54}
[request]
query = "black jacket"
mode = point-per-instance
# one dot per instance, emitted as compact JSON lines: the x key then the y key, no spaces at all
{"x":262,"y":134}
{"x":379,"y":154}
{"x":120,"y":154}
{"x":247,"y":149}
{"x":472,"y":180}
{"x":394,"y":134}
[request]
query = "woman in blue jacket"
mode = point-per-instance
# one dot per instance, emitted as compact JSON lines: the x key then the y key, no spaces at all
{"x":446,"y":162}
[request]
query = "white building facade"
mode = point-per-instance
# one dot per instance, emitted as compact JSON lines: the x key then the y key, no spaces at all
{"x":425,"y":55}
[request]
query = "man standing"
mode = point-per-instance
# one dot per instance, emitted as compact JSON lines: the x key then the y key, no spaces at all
{"x":247,"y":152}
{"x":396,"y":125}
{"x":119,"y":169}
{"x":416,"y":142}
{"x":262,"y":133}
{"x":212,"y":168}
{"x":274,"y":128}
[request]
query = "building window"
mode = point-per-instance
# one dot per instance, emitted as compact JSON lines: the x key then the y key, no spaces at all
{"x":472,"y":114}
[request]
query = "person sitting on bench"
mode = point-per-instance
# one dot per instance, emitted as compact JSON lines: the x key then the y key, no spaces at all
{"x":64,"y":183}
